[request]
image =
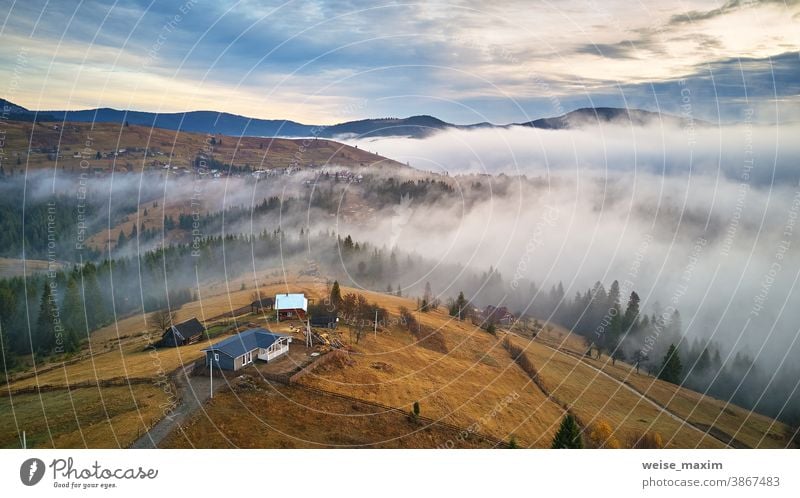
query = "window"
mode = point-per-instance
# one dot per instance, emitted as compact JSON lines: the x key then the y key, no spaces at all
{"x":216,"y":357}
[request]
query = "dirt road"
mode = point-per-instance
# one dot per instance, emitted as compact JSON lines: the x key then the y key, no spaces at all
{"x":630,"y":389}
{"x":192,"y":393}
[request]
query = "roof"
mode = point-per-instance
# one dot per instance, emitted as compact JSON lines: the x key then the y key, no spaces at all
{"x":187,"y":329}
{"x":324,"y":318}
{"x":241,"y":343}
{"x":291,"y":302}
{"x":264,"y":301}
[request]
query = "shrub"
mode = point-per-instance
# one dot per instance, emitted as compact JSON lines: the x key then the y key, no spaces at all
{"x":649,"y":441}
{"x":601,"y":436}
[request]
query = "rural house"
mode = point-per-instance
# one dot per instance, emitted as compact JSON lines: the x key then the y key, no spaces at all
{"x":323,"y":320}
{"x":291,"y":306}
{"x":495,"y":315}
{"x":244,"y":348}
{"x":184,"y":333}
{"x":265,"y":303}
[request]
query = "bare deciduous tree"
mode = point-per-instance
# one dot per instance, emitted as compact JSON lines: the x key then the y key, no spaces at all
{"x":162,"y":319}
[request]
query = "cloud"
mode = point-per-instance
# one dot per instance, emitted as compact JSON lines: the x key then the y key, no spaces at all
{"x":660,"y":148}
{"x":614,"y":190}
{"x":305,"y":60}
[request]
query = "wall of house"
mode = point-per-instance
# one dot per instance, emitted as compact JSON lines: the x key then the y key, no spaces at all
{"x":168,"y":339}
{"x":225,"y":362}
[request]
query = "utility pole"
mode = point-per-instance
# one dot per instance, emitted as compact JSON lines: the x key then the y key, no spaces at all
{"x":211,"y":369}
{"x":376,"y":324}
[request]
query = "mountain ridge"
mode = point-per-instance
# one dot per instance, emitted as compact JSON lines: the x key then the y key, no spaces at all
{"x":417,"y":126}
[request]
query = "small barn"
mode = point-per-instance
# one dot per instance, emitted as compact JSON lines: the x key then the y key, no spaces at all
{"x":493,"y":315}
{"x":263,"y":304}
{"x":187,"y":332}
{"x":291,"y":306}
{"x":244,"y":348}
{"x":323,"y":320}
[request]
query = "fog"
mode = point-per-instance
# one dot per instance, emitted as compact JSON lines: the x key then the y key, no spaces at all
{"x":660,"y":148}
{"x":702,"y":219}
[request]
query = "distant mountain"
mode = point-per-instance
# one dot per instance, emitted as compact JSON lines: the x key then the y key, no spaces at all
{"x":194,"y":121}
{"x":6,"y":106}
{"x":599,"y":115}
{"x":414,"y":126}
{"x":16,"y":112}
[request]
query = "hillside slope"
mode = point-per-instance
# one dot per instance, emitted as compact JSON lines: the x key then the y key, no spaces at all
{"x":476,"y":384}
{"x":134,"y":148}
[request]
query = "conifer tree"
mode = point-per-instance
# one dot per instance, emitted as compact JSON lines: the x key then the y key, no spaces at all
{"x":568,"y":435}
{"x":45,"y":323}
{"x":671,"y":368}
{"x":73,"y":317}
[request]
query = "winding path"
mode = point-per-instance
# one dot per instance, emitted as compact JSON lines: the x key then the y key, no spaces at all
{"x":192,"y":393}
{"x":642,"y":396}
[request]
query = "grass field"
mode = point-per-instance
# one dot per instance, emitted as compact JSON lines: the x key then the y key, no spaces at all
{"x":120,"y":348}
{"x":89,"y":417}
{"x":593,"y":396}
{"x":752,"y":429}
{"x":276,"y":416}
{"x":10,"y":267}
{"x":168,"y":146}
{"x":468,"y":386}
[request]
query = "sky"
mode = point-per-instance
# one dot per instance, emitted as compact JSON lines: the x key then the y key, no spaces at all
{"x":464,"y":62}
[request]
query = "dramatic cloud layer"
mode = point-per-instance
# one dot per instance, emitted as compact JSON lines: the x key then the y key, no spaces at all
{"x":323,"y":62}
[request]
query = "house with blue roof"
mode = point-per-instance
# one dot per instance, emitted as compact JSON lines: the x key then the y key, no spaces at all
{"x":244,"y":348}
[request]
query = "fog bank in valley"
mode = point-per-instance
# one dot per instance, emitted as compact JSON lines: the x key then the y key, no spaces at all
{"x":701,"y":218}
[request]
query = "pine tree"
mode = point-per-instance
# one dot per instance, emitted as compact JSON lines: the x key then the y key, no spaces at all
{"x":568,"y":435}
{"x":45,"y":323}
{"x":96,"y":310}
{"x":629,"y":321}
{"x":704,"y":361}
{"x":9,"y":359}
{"x":671,"y":368}
{"x":8,"y":306}
{"x":459,"y":306}
{"x":72,"y":317}
{"x":336,"y":294}
{"x":121,"y":239}
{"x":675,"y":326}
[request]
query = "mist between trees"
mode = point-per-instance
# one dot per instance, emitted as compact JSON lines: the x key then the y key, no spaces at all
{"x":459,"y":234}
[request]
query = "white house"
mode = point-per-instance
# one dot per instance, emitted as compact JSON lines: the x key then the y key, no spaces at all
{"x":291,"y":306}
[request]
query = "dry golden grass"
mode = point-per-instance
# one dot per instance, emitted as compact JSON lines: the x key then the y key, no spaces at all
{"x":592,"y":395}
{"x":752,"y":429}
{"x":88,"y":417}
{"x":10,"y":267}
{"x":466,"y":386}
{"x":120,"y":348}
{"x":278,"y":416}
{"x":181,"y":146}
